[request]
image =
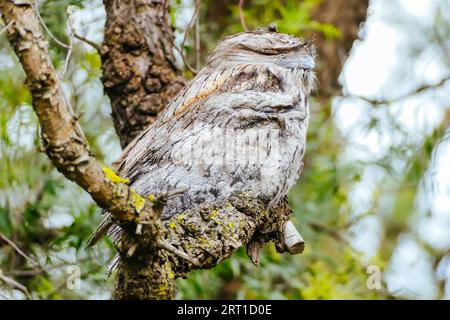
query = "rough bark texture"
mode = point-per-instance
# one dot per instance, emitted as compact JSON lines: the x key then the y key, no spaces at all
{"x":139,"y":74}
{"x":210,"y":233}
{"x":347,"y":16}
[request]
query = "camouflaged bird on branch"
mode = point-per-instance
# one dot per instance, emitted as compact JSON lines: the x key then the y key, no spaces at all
{"x":237,"y":130}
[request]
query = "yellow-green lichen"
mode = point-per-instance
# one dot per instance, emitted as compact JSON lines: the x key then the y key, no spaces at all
{"x":180,"y":218}
{"x":152,"y":198}
{"x":137,"y":201}
{"x":214,"y":212}
{"x":162,"y":289}
{"x":172,"y":225}
{"x":114,"y":177}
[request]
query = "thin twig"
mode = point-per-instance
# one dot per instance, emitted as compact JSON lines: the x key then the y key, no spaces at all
{"x":197,"y":40}
{"x":241,"y":15}
{"x":69,"y":53}
{"x":13,"y":283}
{"x":163,"y":244}
{"x":41,"y":270}
{"x":186,"y":63}
{"x":5,"y":28}
{"x":89,"y":42}
{"x":62,"y":44}
{"x":18,"y":250}
{"x":189,"y":26}
{"x":323,"y":228}
{"x":27,"y":273}
{"x":416,"y":91}
{"x":180,"y":49}
{"x":70,"y":24}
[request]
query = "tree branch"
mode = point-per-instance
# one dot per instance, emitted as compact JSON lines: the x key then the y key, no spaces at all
{"x":347,"y":16}
{"x":241,"y":15}
{"x":94,"y":45}
{"x":18,"y":250}
{"x":62,"y":138}
{"x":14,"y":284}
{"x":200,"y":239}
{"x":139,"y":72}
{"x":418,"y":90}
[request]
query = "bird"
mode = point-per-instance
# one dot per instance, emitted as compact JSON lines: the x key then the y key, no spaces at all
{"x":238,"y":126}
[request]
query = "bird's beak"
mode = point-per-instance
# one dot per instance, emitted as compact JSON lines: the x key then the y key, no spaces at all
{"x":306,"y":62}
{"x":298,"y":61}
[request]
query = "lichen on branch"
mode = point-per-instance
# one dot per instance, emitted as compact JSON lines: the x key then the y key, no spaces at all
{"x":209,"y":233}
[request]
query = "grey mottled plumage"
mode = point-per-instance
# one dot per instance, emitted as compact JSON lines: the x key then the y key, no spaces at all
{"x":239,"y":125}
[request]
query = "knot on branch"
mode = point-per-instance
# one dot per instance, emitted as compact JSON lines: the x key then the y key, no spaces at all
{"x":68,"y":156}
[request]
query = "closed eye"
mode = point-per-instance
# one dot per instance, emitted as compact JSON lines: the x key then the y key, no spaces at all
{"x":266,"y":51}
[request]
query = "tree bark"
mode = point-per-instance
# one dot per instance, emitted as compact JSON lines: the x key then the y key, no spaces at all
{"x":347,"y":16}
{"x":139,"y":72}
{"x":210,"y":233}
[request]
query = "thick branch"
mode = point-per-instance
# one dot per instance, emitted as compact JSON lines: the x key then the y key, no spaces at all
{"x":210,"y":233}
{"x":139,"y":73}
{"x":61,"y":134}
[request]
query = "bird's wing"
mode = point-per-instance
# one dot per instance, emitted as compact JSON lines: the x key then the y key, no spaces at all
{"x":195,"y":111}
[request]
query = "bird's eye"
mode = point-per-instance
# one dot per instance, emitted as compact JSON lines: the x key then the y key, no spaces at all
{"x":264,"y":51}
{"x":268,"y":52}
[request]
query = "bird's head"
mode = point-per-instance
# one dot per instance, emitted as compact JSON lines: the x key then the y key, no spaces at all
{"x":264,"y":48}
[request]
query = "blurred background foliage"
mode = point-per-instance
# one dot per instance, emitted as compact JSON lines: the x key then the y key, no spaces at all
{"x":375,"y":188}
